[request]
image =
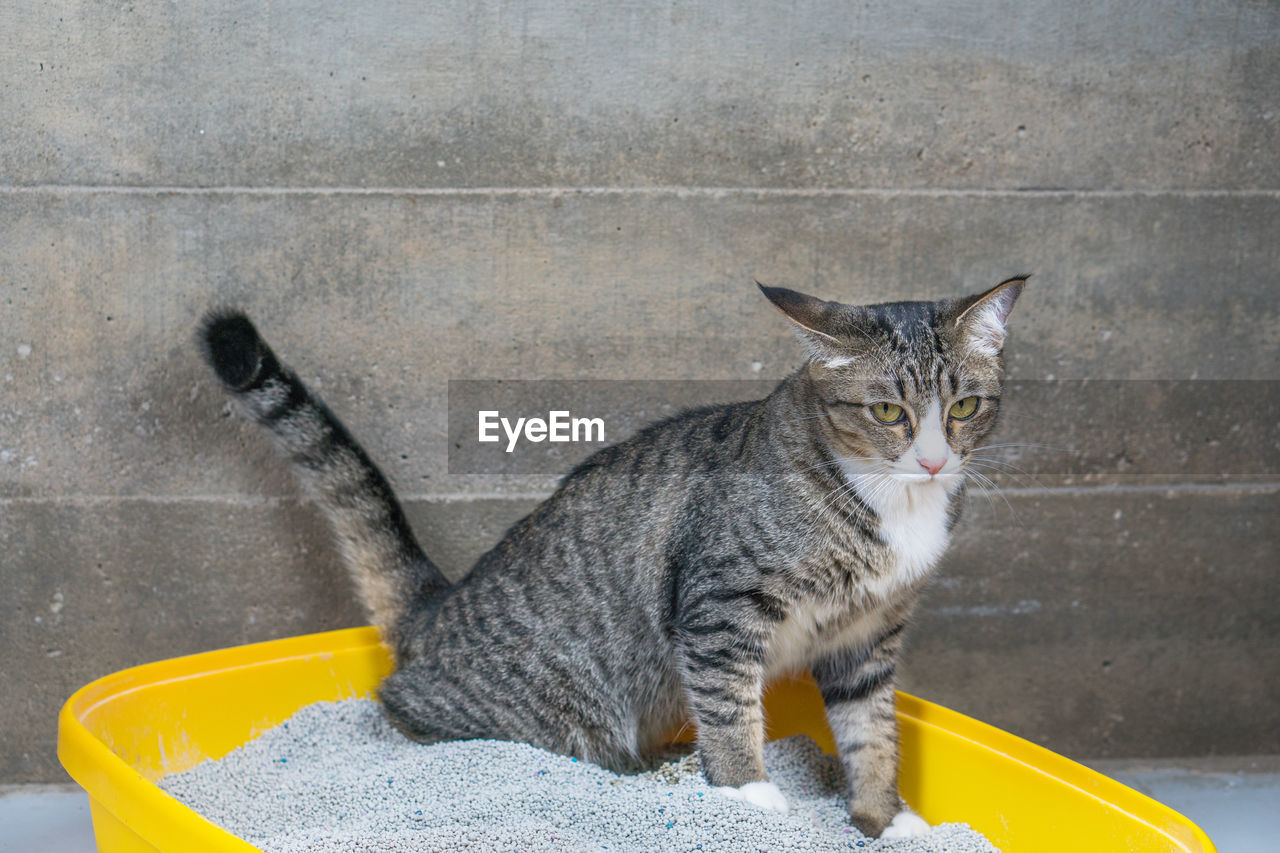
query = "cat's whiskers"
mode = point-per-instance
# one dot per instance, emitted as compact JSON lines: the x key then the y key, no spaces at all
{"x":982,"y":478}
{"x":844,"y":493}
{"x":864,"y":511}
{"x":999,"y":466}
{"x":985,"y":481}
{"x":986,"y":492}
{"x":883,"y":481}
{"x":1023,"y":444}
{"x":830,"y":497}
{"x":978,"y":455}
{"x":851,"y":482}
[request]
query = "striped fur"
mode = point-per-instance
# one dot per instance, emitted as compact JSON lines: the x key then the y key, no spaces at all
{"x":672,"y":574}
{"x":377,"y":545}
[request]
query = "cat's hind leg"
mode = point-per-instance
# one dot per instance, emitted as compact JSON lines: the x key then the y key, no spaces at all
{"x":461,"y":688}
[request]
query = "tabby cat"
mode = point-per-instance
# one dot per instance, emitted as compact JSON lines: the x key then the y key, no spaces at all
{"x":671,"y":575}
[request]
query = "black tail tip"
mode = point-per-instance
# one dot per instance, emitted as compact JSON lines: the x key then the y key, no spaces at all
{"x":233,"y":348}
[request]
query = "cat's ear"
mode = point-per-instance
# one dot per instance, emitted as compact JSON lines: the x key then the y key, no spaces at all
{"x":813,"y":320}
{"x":982,"y":317}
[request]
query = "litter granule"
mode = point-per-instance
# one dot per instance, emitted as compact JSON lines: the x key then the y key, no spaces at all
{"x":336,"y":777}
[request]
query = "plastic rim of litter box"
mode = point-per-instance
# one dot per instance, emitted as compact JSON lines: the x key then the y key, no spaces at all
{"x":118,"y":735}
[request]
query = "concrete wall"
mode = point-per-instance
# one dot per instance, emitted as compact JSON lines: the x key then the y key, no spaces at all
{"x":404,"y":195}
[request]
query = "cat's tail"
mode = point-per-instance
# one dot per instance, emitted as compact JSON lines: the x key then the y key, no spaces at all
{"x":390,"y":570}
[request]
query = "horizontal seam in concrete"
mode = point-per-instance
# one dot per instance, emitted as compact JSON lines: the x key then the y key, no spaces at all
{"x":248,"y":500}
{"x":1144,"y":489}
{"x":676,"y":191}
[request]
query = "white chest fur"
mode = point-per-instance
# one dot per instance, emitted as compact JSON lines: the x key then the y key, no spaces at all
{"x":813,"y":628}
{"x":913,"y":523}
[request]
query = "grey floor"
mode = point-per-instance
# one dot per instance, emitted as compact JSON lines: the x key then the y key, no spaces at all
{"x":1236,"y":801}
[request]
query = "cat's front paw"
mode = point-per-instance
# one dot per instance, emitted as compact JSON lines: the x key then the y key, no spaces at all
{"x":762,"y":795}
{"x":905,"y":824}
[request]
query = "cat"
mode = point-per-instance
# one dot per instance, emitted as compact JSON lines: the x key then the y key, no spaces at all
{"x":671,"y":575}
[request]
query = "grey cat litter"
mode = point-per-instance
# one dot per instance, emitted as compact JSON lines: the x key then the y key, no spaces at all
{"x":336,"y":777}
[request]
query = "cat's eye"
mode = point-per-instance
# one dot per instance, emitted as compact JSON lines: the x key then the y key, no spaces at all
{"x":964,"y":409}
{"x":886,"y":413}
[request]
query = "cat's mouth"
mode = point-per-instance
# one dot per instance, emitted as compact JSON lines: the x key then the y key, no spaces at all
{"x":945,"y":476}
{"x":904,"y":471}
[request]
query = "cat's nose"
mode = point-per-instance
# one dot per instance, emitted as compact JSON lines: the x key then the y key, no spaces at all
{"x":933,"y":466}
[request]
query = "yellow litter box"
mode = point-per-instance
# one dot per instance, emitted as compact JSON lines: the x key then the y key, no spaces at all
{"x":118,"y":735}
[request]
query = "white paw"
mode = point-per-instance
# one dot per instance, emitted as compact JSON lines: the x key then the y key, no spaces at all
{"x":762,"y":795}
{"x":905,"y":824}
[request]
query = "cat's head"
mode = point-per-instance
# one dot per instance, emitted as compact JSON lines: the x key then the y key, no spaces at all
{"x":904,"y":389}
